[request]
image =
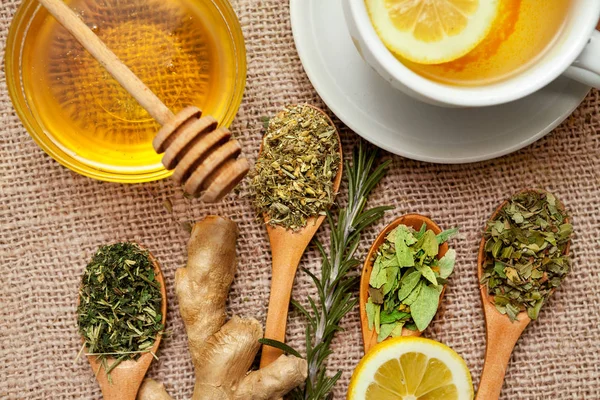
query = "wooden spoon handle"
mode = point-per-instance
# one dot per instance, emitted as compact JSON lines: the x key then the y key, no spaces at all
{"x":112,"y":392}
{"x":285,"y":264}
{"x":125,"y":379}
{"x":501,"y":337}
{"x":108,"y":60}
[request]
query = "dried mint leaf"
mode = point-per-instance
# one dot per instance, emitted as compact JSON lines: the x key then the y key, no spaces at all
{"x":385,"y":330}
{"x":443,"y":236}
{"x":446,"y":263}
{"x":378,"y":275}
{"x":376,"y":295}
{"x":397,"y":331}
{"x":429,"y":244}
{"x":406,"y":271}
{"x":389,"y":317}
{"x":425,"y":306}
{"x":408,"y":283}
{"x":413,"y":295}
{"x":427,"y":273}
{"x":372,"y":309}
{"x":402,"y":238}
{"x":525,"y":249}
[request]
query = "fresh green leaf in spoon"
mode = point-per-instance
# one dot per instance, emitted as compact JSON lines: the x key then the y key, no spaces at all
{"x":407,"y":280}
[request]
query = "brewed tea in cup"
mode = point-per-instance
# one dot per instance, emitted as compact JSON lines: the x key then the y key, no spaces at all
{"x":473,"y":53}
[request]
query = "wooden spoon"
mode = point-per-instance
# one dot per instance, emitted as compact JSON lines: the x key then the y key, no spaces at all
{"x":128,"y":375}
{"x":287,"y":248}
{"x":501,"y":333}
{"x":415,"y":221}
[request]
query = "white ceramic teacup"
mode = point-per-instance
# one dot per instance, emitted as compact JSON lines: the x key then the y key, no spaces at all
{"x":576,"y":54}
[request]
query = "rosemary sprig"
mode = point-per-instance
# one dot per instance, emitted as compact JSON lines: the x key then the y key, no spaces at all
{"x":335,"y":286}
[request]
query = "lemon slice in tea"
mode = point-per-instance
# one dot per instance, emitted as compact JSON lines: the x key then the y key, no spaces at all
{"x":410,"y":368}
{"x":432,"y":31}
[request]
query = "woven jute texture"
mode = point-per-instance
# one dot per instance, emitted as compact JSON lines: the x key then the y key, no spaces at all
{"x":53,"y":220}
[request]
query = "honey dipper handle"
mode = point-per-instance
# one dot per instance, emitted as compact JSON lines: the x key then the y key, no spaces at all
{"x":88,"y":39}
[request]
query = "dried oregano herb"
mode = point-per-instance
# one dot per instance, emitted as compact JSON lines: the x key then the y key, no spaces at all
{"x":119,"y":312}
{"x":337,"y":274}
{"x":407,"y":279}
{"x":525,"y":257}
{"x":293,"y":177}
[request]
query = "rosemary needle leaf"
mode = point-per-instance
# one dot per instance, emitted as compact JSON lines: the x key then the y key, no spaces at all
{"x":279,"y":345}
{"x":335,"y":286}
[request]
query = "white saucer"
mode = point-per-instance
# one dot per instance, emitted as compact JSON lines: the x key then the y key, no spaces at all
{"x":395,"y":122}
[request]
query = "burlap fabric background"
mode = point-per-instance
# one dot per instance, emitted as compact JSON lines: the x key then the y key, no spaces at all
{"x":53,"y":220}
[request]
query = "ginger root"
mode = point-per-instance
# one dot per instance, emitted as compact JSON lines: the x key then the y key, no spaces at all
{"x":222,"y":352}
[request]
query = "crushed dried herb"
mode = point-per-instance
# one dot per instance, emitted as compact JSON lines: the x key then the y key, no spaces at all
{"x":119,"y":311}
{"x":293,"y":177}
{"x":407,"y":280}
{"x":525,"y":258}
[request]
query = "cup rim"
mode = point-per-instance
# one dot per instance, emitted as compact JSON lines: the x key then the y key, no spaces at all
{"x":476,"y":96}
{"x":20,"y":23}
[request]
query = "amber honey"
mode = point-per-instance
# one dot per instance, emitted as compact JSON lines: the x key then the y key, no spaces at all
{"x":183,"y":50}
{"x":522,"y":33}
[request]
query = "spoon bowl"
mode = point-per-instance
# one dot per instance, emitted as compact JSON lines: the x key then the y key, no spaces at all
{"x":501,"y":333}
{"x":127,"y":377}
{"x":287,"y":248}
{"x":414,"y":221}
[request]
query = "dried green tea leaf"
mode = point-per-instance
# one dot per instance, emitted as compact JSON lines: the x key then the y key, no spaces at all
{"x":425,"y":306}
{"x":534,"y":311}
{"x":446,"y":263}
{"x":501,"y":309}
{"x":511,"y":274}
{"x":499,"y":269}
{"x":512,"y":311}
{"x":525,"y":249}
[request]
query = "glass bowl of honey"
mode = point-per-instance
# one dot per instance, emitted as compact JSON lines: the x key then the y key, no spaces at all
{"x":188,"y":52}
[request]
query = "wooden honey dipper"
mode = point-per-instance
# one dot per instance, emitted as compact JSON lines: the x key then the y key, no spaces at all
{"x":204,"y":157}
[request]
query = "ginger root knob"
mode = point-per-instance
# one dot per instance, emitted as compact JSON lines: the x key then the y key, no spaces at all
{"x":222,"y":351}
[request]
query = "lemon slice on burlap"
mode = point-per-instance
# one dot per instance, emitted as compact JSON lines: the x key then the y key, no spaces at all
{"x":432,"y":31}
{"x":410,"y":368}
